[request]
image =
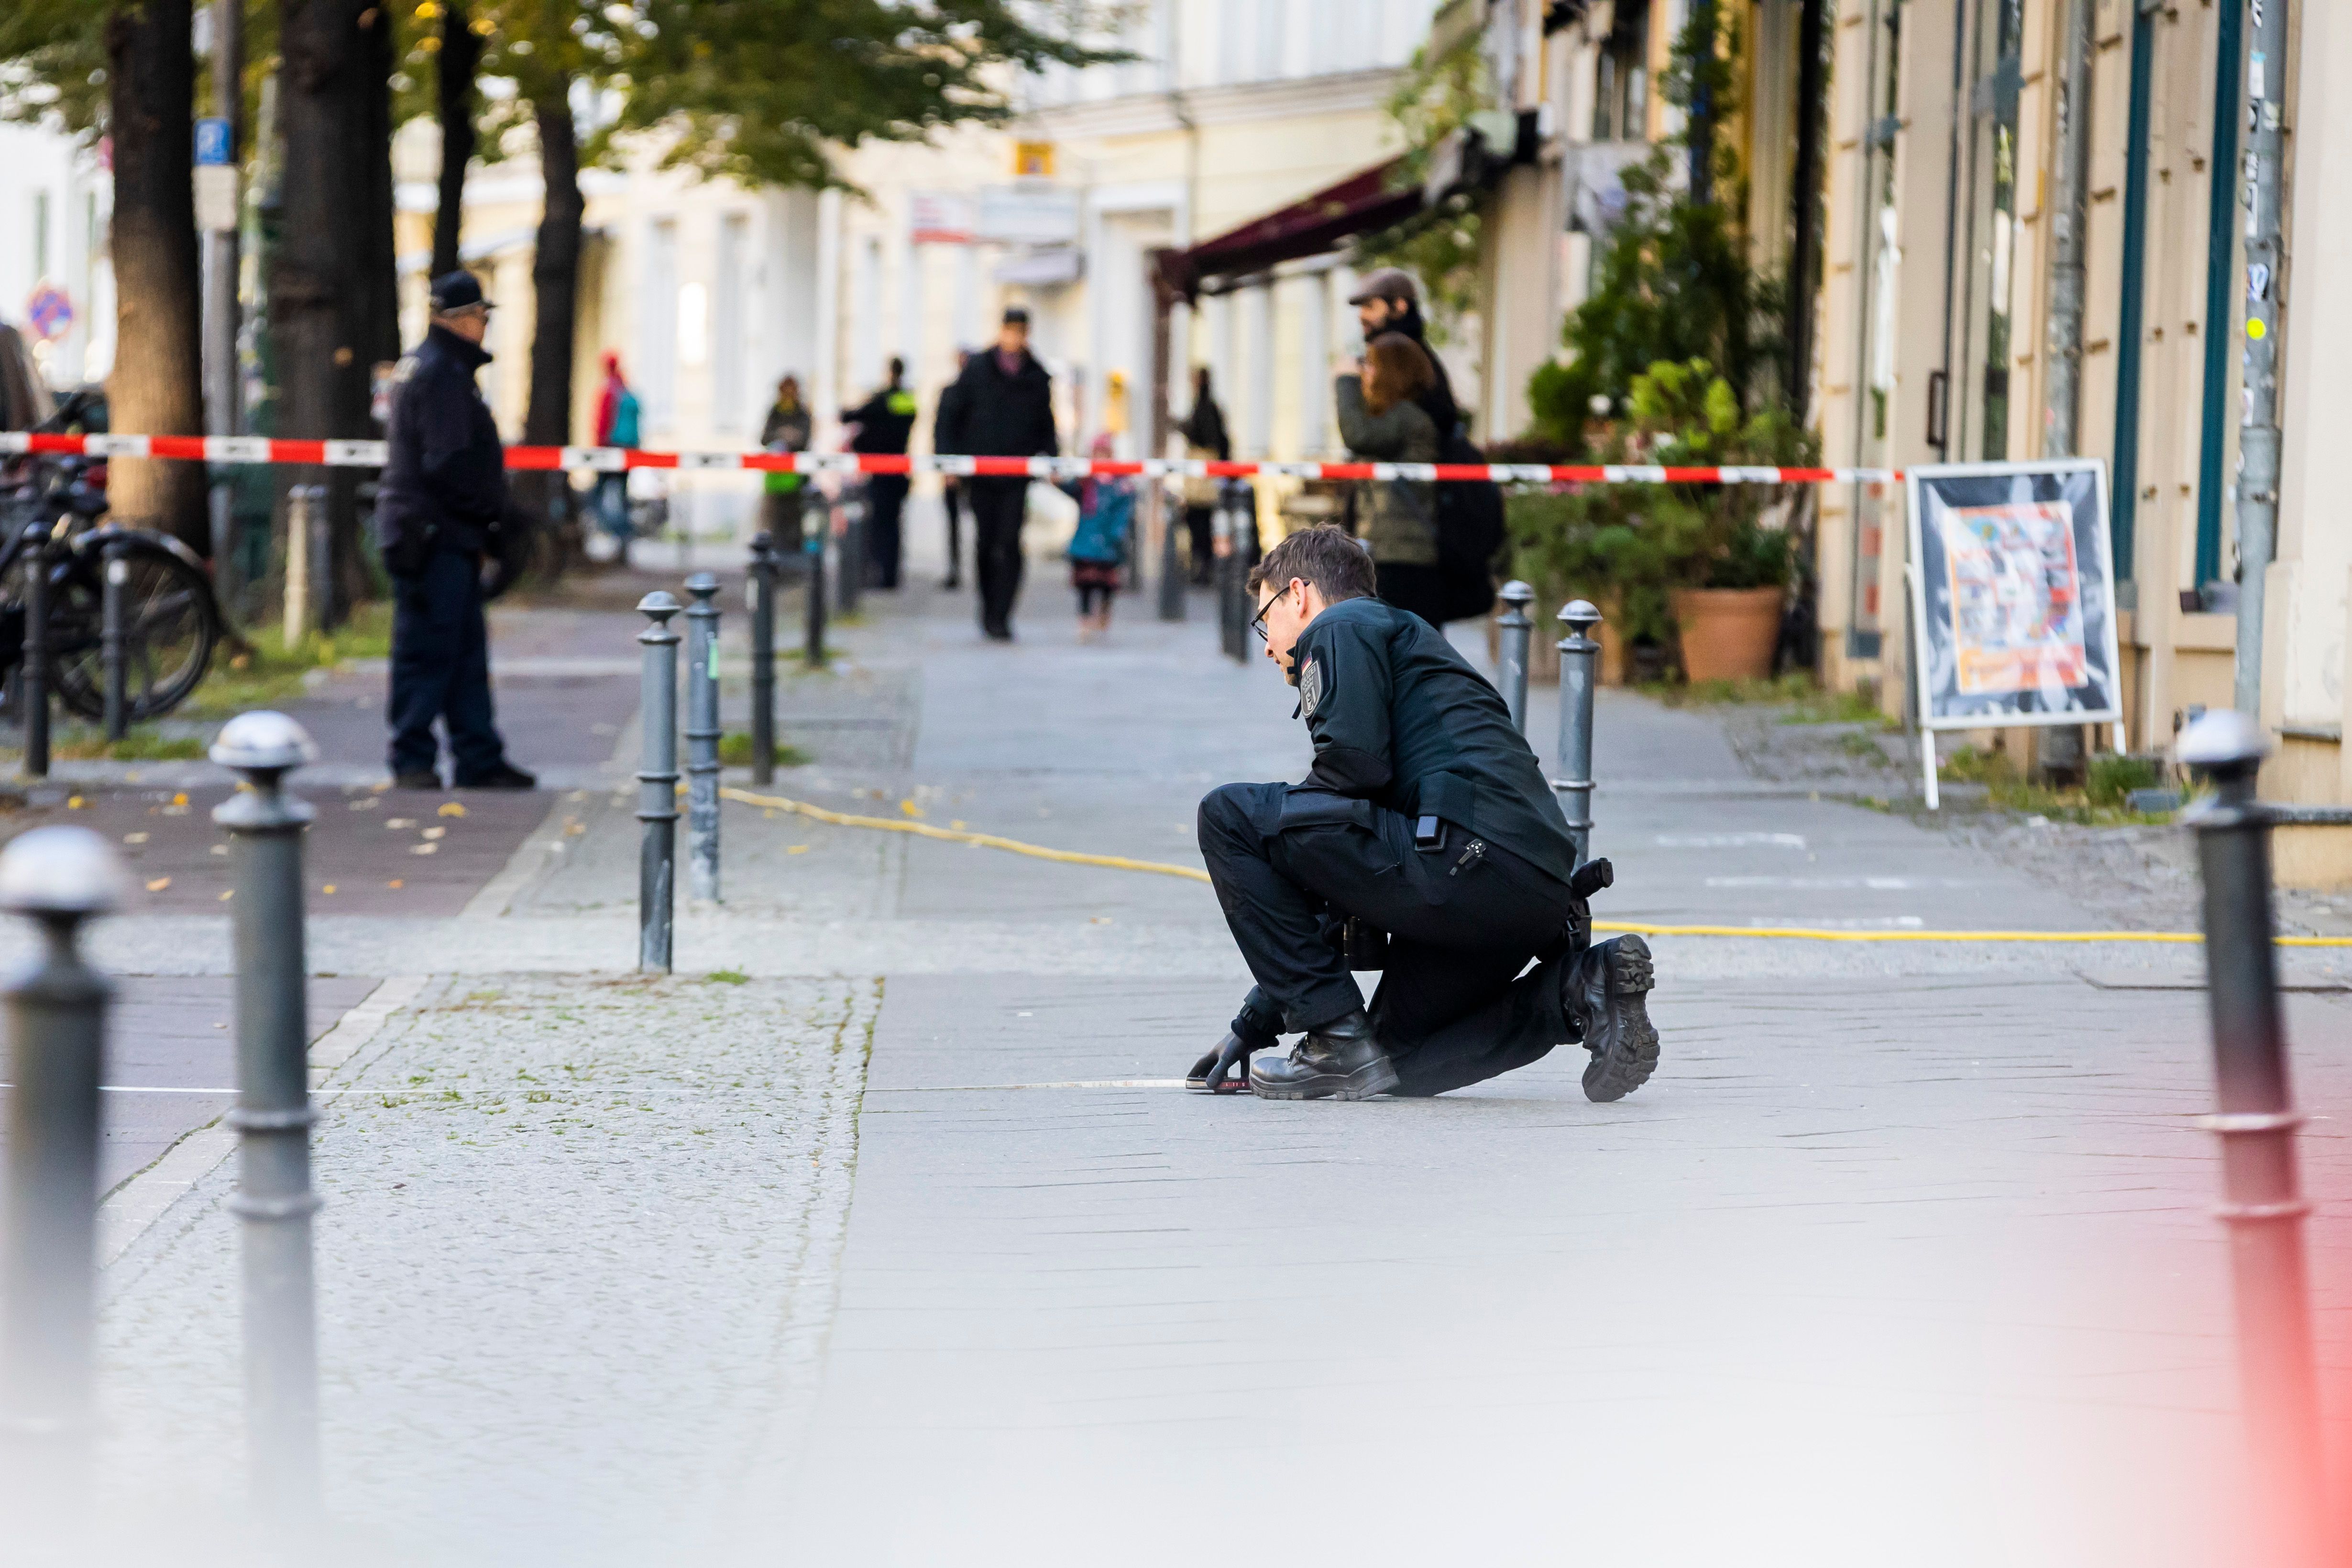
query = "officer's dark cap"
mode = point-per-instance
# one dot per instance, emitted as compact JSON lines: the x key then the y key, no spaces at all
{"x":457,"y":291}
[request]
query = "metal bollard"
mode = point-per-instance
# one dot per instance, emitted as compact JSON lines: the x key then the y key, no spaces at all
{"x":34,"y":684}
{"x":702,"y":737}
{"x":658,"y":784}
{"x":1517,"y":632}
{"x":2262,"y":1200}
{"x":1580,"y":658}
{"x":759,"y":588}
{"x":114,"y":657}
{"x":57,"y":1007}
{"x":273,"y":1114}
{"x":813,"y":532}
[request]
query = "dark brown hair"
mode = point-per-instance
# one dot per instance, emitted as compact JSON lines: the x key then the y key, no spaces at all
{"x":1325,"y":555}
{"x":1396,"y":370}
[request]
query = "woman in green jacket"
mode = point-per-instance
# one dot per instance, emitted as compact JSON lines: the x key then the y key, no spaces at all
{"x":1382,"y":421}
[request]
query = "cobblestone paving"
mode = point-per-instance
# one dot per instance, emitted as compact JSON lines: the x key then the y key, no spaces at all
{"x":573,"y":1273}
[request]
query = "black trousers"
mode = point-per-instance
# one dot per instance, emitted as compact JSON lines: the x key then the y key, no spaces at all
{"x":1200,"y":530}
{"x":441,"y":669}
{"x":1463,"y":921}
{"x":953,"y":496}
{"x":886,"y":496}
{"x":996,"y":507}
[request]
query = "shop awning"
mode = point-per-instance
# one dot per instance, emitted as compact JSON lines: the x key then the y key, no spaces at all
{"x":1363,"y":202}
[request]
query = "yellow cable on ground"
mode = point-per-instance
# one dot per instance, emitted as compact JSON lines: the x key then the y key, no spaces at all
{"x":1162,"y":867}
{"x":956,"y":836}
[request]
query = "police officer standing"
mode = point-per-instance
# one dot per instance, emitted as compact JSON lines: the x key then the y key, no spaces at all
{"x":884,"y":423}
{"x":1425,"y":816}
{"x":442,"y":509}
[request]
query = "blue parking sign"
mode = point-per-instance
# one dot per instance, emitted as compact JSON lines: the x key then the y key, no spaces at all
{"x":212,"y":142}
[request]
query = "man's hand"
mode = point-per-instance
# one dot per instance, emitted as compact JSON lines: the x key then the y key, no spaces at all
{"x":1224,"y":1071}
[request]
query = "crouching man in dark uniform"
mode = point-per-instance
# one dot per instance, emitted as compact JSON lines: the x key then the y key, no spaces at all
{"x":1425,"y":817}
{"x":442,"y":507}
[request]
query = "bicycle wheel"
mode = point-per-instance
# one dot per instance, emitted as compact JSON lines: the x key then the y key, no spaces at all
{"x":169,"y":634}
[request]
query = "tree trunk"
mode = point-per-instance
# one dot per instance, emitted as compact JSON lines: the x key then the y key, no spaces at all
{"x":555,"y":286}
{"x":461,"y":52}
{"x":157,"y":385}
{"x":1701,"y":128}
{"x":324,"y":305}
{"x":374,"y":301}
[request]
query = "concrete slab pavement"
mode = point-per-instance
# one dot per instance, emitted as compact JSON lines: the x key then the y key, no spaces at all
{"x":1905,"y":1252}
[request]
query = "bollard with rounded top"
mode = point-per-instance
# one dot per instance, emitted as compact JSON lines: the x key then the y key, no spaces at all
{"x":113,"y":636}
{"x":702,"y":736}
{"x":2263,"y":1204}
{"x":759,"y":588}
{"x":57,"y":877}
{"x":1580,"y":658}
{"x":657,"y":783}
{"x":33,"y":687}
{"x":273,"y":1114}
{"x":1517,"y":632}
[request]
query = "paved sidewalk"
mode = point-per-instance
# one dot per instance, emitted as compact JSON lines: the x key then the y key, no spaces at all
{"x":1905,"y":1255}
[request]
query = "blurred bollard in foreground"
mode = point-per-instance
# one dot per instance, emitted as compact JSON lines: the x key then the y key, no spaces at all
{"x":2262,"y":1200}
{"x":273,"y":1114}
{"x":760,"y":587}
{"x":702,"y":737}
{"x":657,"y":783}
{"x":57,"y":877}
{"x":1517,"y":632}
{"x":1580,"y":668}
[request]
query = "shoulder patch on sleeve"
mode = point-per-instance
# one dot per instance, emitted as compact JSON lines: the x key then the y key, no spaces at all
{"x":1310,"y":687}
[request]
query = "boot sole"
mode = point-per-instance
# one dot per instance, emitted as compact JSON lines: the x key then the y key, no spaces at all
{"x":1372,"y":1079}
{"x":1634,"y":1054}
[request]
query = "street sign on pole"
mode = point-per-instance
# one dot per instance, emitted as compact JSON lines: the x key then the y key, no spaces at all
{"x":51,"y":310}
{"x":213,"y":143}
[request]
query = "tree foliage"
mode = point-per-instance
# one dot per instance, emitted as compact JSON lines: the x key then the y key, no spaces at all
{"x":759,"y":91}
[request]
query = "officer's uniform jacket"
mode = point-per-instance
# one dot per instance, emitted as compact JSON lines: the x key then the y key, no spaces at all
{"x":1400,"y":721}
{"x":444,"y":477}
{"x":885,"y":422}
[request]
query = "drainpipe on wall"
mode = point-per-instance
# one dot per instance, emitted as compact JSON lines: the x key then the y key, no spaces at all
{"x":2258,"y":437}
{"x":2062,"y":747}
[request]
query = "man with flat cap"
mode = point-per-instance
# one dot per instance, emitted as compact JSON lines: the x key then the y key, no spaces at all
{"x":1388,"y":300}
{"x":441,"y":509}
{"x":1001,"y":406}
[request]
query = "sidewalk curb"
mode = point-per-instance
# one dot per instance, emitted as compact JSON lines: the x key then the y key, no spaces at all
{"x":134,"y":1208}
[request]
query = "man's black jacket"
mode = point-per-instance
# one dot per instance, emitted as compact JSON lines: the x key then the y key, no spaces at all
{"x":988,"y":414}
{"x":884,"y":420}
{"x":1399,"y":718}
{"x":444,"y":476}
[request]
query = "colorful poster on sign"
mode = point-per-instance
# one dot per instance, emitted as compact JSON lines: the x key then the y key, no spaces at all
{"x":2014,"y":594}
{"x":51,"y":310}
{"x":2017,"y":597}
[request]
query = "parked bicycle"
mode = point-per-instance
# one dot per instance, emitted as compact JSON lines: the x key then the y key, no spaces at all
{"x":172,"y":624}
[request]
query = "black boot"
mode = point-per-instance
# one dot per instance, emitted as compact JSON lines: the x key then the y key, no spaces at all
{"x":1341,"y":1060}
{"x":1606,"y":986}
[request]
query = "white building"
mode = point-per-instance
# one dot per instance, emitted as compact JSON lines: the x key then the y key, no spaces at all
{"x":56,"y":198}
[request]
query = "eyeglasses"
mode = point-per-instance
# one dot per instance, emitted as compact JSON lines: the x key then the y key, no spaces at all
{"x":1257,"y":621}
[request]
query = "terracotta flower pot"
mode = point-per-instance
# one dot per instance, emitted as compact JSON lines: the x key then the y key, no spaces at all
{"x":1727,"y":633}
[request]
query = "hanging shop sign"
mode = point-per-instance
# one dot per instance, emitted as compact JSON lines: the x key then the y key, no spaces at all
{"x":2014,"y":598}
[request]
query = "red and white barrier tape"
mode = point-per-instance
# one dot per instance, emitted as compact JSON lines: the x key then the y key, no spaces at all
{"x":614,"y":459}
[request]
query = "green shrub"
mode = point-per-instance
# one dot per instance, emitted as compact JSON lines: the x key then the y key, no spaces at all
{"x":735,"y":751}
{"x":2113,"y":775}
